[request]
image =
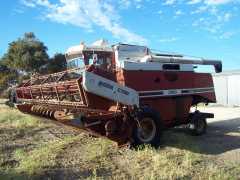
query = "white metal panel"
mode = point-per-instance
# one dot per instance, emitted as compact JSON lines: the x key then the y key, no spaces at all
{"x":221,"y":89}
{"x":151,"y":66}
{"x":109,"y":89}
{"x":234,"y":90}
{"x":227,"y":88}
{"x":140,"y":66}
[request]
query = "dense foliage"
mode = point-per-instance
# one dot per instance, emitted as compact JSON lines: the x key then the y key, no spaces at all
{"x":55,"y":64}
{"x":7,"y":76}
{"x":26,"y":56}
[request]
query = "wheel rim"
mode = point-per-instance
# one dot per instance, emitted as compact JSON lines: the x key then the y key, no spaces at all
{"x":146,"y":130}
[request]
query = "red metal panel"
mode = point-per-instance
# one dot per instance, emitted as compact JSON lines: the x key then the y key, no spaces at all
{"x":202,"y":80}
{"x":156,"y":80}
{"x":165,"y":106}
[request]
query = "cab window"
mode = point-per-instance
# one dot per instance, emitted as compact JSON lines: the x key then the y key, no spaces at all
{"x":103,"y":60}
{"x":75,"y":63}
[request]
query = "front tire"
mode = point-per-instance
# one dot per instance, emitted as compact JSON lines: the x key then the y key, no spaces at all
{"x":148,"y":128}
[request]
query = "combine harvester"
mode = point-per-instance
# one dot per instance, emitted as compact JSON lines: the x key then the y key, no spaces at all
{"x":123,"y":92}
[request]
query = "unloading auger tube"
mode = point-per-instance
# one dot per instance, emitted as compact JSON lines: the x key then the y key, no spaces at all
{"x":184,"y":60}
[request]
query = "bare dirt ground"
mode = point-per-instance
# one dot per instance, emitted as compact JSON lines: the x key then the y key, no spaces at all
{"x":37,"y":148}
{"x":223,"y":134}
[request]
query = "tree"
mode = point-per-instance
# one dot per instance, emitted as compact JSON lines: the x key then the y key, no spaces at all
{"x":27,"y":54}
{"x":56,"y":64}
{"x":3,"y":67}
{"x":7,"y":76}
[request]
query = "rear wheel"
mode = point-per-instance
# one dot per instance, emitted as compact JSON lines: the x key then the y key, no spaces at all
{"x":198,"y":126}
{"x":148,"y":128}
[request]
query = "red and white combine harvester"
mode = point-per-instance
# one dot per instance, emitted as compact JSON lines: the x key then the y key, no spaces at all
{"x":126,"y":93}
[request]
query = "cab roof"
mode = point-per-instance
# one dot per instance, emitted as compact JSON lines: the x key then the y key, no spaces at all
{"x":100,"y":45}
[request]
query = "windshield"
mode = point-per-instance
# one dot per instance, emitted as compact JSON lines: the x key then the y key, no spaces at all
{"x":75,"y":63}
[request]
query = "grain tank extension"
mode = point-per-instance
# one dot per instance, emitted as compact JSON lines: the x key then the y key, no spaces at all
{"x":124,"y":92}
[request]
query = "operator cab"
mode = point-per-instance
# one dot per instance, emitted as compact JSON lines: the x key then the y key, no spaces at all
{"x":81,"y":56}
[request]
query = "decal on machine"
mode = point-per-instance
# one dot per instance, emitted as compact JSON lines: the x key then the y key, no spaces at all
{"x":174,"y":92}
{"x":104,"y":84}
{"x":123,"y":91}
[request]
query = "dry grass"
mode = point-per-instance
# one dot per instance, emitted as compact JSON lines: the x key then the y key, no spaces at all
{"x":12,"y":117}
{"x":39,"y":154}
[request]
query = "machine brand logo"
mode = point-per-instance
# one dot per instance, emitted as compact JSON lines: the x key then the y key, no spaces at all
{"x":104,"y":84}
{"x":123,"y":91}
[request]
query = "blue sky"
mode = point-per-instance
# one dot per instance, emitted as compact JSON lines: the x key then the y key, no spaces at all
{"x":205,"y":28}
